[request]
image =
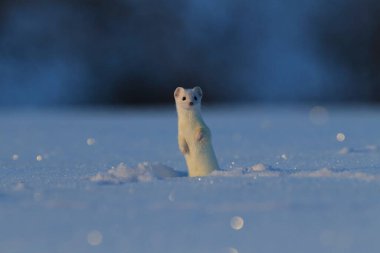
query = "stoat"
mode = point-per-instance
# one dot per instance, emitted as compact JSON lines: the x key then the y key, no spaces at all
{"x":194,"y":137}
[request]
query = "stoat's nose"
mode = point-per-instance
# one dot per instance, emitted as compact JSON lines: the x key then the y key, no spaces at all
{"x":191,"y":103}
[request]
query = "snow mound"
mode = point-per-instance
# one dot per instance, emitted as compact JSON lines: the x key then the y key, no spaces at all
{"x":366,"y":149}
{"x":328,"y":173}
{"x":147,"y":172}
{"x":257,"y":170}
{"x":144,"y":172}
{"x":263,"y":170}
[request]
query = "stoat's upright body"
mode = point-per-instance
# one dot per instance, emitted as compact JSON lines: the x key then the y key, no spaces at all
{"x":194,"y":137}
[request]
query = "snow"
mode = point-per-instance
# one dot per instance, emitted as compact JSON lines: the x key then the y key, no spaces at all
{"x":293,"y":179}
{"x":144,"y":172}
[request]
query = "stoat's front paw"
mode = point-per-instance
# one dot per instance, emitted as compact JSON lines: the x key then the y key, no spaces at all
{"x":184,"y":149}
{"x":199,"y":135}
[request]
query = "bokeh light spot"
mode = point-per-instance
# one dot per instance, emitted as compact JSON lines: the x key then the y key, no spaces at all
{"x":237,"y":222}
{"x":94,"y":238}
{"x":90,"y":141}
{"x":340,"y":137}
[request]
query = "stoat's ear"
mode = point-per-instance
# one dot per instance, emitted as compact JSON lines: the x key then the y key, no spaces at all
{"x":197,"y":90}
{"x":177,"y":91}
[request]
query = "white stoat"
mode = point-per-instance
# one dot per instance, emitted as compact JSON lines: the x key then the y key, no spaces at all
{"x":194,"y":137}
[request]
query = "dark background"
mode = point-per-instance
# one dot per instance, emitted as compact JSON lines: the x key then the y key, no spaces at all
{"x":99,"y":52}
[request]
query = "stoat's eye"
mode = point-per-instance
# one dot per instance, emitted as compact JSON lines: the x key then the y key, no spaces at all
{"x":183,"y":98}
{"x":195,"y":98}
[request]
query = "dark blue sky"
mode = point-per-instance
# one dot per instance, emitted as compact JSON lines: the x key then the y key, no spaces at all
{"x":136,"y":52}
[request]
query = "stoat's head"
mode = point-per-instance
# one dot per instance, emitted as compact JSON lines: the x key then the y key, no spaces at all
{"x":188,"y":99}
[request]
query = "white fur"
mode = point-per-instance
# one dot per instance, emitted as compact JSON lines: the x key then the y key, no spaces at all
{"x":194,"y":137}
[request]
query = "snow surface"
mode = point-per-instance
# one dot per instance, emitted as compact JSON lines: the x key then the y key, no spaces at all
{"x":294,"y":179}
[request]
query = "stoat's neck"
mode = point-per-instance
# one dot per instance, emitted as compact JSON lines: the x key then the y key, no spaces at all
{"x":193,"y":115}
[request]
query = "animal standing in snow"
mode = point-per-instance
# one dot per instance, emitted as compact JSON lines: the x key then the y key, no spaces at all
{"x":194,"y":137}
